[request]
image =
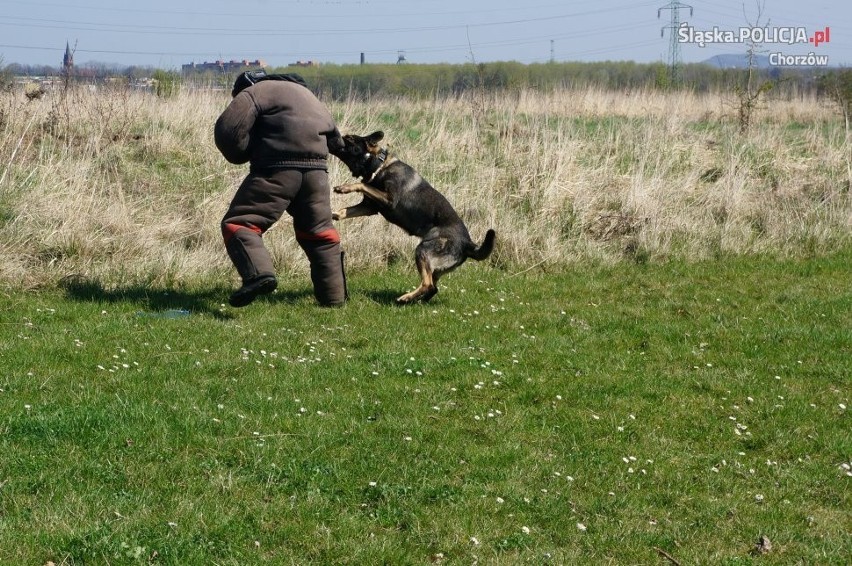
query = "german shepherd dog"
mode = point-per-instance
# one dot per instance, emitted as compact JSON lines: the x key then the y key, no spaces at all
{"x":395,"y":190}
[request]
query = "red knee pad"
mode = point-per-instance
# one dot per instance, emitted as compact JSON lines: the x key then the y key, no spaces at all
{"x":228,"y":230}
{"x":329,"y":236}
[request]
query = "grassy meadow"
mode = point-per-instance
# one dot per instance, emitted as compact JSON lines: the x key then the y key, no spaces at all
{"x":127,"y":187}
{"x":652,"y":368}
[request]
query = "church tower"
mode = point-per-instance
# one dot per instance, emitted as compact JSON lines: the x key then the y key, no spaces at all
{"x":68,"y":59}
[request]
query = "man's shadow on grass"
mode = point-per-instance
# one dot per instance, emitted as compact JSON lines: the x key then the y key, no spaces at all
{"x":165,"y":302}
{"x":211,"y":301}
{"x":156,"y":301}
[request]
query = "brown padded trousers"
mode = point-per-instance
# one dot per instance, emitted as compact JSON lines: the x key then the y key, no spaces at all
{"x":260,"y":201}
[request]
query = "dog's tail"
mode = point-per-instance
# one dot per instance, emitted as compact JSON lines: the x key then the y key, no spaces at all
{"x":485,"y":249}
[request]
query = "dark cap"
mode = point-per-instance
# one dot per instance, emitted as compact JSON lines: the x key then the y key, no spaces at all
{"x":249,"y":78}
{"x":245,"y":80}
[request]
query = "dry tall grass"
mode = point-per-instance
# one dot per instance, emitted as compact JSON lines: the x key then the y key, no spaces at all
{"x":129,"y":188}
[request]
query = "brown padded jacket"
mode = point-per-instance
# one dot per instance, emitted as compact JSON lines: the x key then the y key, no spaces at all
{"x":277,"y":124}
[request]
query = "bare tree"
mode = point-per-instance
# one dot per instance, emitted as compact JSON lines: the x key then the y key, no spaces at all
{"x":752,"y":89}
{"x":7,"y":78}
{"x":838,"y":87}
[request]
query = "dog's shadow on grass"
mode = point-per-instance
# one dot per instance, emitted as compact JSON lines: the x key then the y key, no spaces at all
{"x":384,"y":297}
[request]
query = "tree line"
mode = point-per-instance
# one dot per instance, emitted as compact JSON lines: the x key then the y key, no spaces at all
{"x":425,"y":80}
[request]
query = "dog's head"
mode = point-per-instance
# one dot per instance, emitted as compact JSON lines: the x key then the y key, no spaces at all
{"x":362,"y":154}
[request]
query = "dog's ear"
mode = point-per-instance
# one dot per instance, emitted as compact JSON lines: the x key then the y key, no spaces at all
{"x":375,"y":137}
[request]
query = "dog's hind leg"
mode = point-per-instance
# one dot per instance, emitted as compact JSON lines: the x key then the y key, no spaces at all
{"x":427,"y":288}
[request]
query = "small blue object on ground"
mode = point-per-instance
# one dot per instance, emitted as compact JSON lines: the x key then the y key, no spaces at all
{"x":171,"y":313}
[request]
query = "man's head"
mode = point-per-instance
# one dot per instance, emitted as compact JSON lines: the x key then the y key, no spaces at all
{"x":245,"y":80}
{"x":248,"y":78}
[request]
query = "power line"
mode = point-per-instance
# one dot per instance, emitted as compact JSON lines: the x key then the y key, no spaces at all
{"x":444,"y":48}
{"x":183,"y":30}
{"x":98,"y":29}
{"x":302,"y":14}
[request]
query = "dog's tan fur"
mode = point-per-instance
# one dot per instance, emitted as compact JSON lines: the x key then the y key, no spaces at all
{"x":395,"y":190}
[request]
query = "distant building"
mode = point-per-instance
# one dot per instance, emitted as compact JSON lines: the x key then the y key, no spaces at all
{"x":308,"y":63}
{"x":68,"y":58}
{"x":224,"y":66}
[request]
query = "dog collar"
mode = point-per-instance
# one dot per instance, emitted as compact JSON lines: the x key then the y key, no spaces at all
{"x":379,"y":158}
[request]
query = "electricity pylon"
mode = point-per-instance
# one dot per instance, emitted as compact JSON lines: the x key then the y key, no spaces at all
{"x":674,"y":45}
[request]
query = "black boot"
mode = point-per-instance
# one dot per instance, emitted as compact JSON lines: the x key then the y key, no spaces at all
{"x":255,"y":282}
{"x":246,"y":294}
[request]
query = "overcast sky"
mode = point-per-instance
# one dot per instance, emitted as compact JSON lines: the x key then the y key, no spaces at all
{"x":169,"y":33}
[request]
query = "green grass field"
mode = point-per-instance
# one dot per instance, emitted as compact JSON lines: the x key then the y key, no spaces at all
{"x":634,"y":414}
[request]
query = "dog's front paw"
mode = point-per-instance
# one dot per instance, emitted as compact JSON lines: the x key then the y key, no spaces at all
{"x":339,"y":215}
{"x":406,"y":299}
{"x":342,"y":189}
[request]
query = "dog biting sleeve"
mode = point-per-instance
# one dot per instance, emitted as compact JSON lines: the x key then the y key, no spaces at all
{"x":335,"y":142}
